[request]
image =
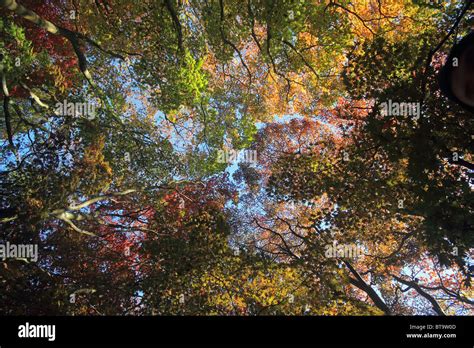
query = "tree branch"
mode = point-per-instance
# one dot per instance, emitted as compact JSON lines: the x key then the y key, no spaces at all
{"x":418,"y":289}
{"x":6,"y":109}
{"x":71,"y":36}
{"x":177,"y":24}
{"x":361,"y":284}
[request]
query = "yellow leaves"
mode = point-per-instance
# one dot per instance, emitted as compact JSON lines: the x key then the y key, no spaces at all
{"x":275,"y":102}
{"x":307,"y":39}
{"x":34,"y":204}
{"x":59,"y":79}
{"x":172,"y":116}
{"x":94,"y":170}
{"x":93,"y":155}
{"x":272,"y":288}
{"x":393,"y":18}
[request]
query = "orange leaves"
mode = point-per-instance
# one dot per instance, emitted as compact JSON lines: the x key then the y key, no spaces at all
{"x":371,"y":17}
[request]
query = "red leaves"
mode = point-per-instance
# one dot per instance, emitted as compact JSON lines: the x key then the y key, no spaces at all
{"x":58,"y":49}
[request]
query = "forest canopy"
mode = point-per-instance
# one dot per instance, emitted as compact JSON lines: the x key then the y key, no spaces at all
{"x":233,"y":157}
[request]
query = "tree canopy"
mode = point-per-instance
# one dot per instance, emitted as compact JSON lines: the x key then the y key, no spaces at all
{"x":229,"y":157}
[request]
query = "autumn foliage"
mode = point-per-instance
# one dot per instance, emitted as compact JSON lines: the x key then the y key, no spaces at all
{"x":134,"y":211}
